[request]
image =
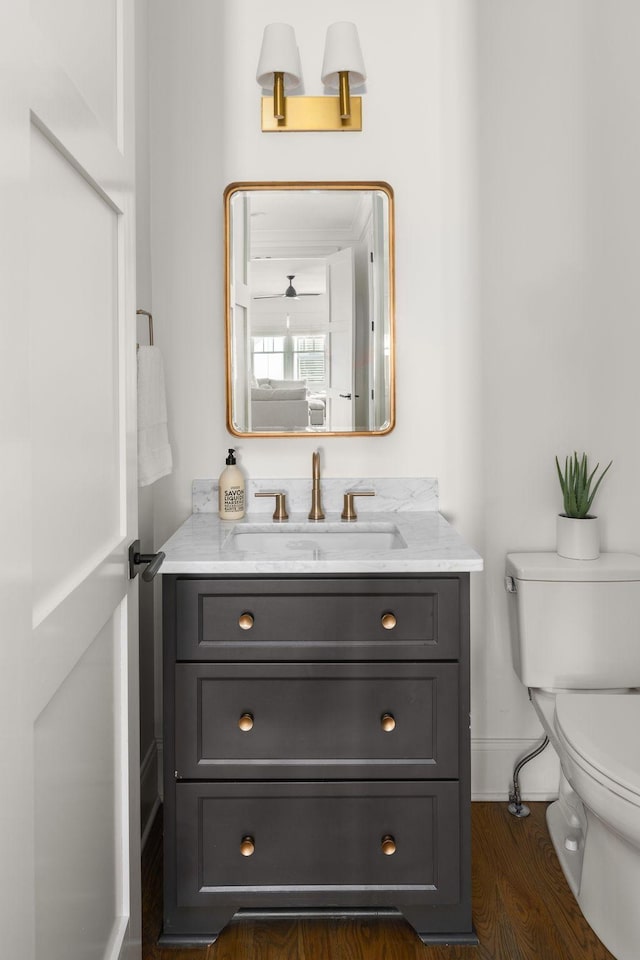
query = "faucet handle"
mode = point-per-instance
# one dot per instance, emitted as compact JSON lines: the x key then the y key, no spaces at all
{"x":280,"y":513}
{"x":349,"y":510}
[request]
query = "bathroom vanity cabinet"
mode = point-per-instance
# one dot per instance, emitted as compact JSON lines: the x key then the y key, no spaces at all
{"x":316,"y":750}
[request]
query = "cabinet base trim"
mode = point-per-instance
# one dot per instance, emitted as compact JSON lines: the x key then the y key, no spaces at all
{"x":468,"y":938}
{"x":190,"y":940}
{"x":444,"y":940}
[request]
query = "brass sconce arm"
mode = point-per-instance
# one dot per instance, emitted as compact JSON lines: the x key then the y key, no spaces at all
{"x":344,"y":95}
{"x":278,"y":96}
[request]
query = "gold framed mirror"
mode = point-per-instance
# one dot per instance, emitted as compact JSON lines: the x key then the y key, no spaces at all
{"x":309,"y":305}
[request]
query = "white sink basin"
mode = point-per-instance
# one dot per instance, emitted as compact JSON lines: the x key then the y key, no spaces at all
{"x":313,"y":539}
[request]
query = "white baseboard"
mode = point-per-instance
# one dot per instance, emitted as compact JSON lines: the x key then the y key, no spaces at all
{"x":492,"y":764}
{"x":149,"y":793}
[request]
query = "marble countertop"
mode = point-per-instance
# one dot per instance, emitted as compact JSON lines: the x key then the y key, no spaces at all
{"x":204,"y":544}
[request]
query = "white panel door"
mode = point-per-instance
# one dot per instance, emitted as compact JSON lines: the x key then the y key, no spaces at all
{"x":341,"y":327}
{"x":69,"y":781}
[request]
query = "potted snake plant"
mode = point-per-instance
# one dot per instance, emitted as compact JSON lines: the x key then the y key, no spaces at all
{"x":577,"y":531}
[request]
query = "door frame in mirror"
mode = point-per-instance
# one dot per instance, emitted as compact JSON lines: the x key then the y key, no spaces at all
{"x":305,"y":185}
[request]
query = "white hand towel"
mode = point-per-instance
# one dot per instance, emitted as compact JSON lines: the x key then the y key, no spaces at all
{"x":154,"y":452}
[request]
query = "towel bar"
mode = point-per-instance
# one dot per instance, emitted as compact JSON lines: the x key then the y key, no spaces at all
{"x":146,"y":313}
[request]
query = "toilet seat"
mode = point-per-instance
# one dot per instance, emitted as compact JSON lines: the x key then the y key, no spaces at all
{"x":602,"y":734}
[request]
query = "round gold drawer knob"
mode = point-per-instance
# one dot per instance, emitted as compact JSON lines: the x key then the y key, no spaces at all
{"x":388,"y":845}
{"x":388,"y":621}
{"x":388,"y":722}
{"x":246,"y":722}
{"x":246,"y":621}
{"x":247,"y":846}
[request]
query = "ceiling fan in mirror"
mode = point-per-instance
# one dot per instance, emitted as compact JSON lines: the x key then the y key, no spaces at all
{"x":290,"y":293}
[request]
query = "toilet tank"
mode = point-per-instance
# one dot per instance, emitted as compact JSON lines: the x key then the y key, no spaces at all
{"x":575,"y":624}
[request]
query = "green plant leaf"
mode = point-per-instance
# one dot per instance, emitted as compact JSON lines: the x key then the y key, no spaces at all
{"x":600,"y":479}
{"x":577,"y":484}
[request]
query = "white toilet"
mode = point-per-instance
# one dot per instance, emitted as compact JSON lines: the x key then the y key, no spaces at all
{"x":575,"y":636}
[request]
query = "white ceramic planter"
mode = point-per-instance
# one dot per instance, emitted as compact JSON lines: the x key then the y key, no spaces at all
{"x":578,"y":539}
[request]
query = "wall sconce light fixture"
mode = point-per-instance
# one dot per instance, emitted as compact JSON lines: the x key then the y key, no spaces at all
{"x":342,"y":68}
{"x":343,"y":65}
{"x":279,"y":64}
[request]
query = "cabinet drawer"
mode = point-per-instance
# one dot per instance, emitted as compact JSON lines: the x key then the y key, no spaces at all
{"x":323,"y":619}
{"x":312,"y":720}
{"x":298,"y":838}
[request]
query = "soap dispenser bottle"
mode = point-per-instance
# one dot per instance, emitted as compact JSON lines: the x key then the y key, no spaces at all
{"x":231,"y":490}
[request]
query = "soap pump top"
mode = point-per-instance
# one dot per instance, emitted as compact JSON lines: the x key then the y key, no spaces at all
{"x":231,"y":490}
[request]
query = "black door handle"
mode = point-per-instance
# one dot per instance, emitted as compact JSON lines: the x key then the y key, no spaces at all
{"x":345,"y":396}
{"x":136,"y":559}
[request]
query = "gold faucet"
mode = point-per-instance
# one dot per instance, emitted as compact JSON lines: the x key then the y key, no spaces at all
{"x":316,"y":512}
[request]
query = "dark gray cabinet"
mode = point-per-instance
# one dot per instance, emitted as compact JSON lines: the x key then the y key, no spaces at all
{"x":316,"y":750}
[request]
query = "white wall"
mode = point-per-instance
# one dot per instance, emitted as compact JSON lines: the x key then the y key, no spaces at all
{"x":150,"y":727}
{"x":206,"y":133}
{"x":512,"y":152}
{"x":559,"y":151}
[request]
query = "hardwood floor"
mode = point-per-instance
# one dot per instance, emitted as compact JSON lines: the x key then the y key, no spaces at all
{"x":522,"y":909}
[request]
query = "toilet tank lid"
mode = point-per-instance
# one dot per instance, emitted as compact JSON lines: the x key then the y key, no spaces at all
{"x":549,"y":566}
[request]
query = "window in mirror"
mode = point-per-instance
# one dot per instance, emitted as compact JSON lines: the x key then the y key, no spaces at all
{"x":309,"y":298}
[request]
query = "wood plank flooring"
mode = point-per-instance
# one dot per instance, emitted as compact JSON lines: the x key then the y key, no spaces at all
{"x":522,"y":909}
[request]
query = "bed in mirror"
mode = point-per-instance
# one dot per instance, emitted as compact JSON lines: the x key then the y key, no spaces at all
{"x":309,"y":272}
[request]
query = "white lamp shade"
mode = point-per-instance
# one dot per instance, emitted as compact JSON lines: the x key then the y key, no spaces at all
{"x":342,"y":53}
{"x":279,"y":54}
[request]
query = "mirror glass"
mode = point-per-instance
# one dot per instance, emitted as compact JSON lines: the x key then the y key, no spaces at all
{"x":309,"y":308}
